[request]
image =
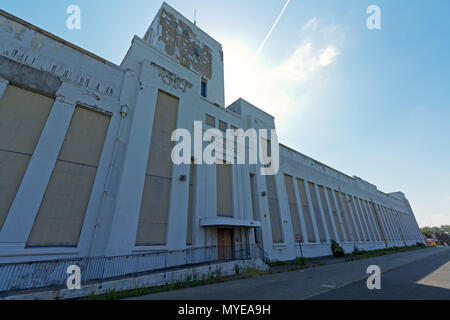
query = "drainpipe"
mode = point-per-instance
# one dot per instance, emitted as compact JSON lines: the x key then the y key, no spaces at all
{"x":123,"y":114}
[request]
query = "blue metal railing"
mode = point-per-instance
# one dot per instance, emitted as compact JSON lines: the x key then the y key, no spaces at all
{"x":53,"y":274}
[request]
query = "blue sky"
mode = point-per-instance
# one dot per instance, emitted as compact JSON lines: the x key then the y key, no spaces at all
{"x":375,"y":104}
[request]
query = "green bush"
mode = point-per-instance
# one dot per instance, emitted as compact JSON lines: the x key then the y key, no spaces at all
{"x":337,"y":250}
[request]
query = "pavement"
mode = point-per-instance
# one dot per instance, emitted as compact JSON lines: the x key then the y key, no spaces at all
{"x":425,"y":279}
{"x":420,"y":274}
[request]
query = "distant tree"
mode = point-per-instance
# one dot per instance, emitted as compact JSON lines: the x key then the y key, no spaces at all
{"x":430,"y":231}
{"x":427,"y":232}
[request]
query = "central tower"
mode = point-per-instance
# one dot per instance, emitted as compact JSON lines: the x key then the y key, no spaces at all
{"x":179,"y":38}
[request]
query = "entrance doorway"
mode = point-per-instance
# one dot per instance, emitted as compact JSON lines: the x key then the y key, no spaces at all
{"x":225,"y":244}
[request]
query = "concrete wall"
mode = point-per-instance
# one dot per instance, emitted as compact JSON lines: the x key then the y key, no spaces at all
{"x":40,"y":62}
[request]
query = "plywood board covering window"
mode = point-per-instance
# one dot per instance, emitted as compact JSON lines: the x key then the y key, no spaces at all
{"x":326,"y":213}
{"x":374,"y":220}
{"x":255,"y":205}
{"x":274,"y":210}
{"x":210,"y":121}
{"x":344,"y":217}
{"x":190,"y":216}
{"x":224,"y":190}
{"x":61,"y":215}
{"x":153,"y":218}
{"x":315,"y":202}
{"x":293,"y":205}
{"x":255,"y":197}
{"x":358,"y":218}
{"x":368,"y":224}
{"x":223,"y":126}
{"x":345,"y":203}
{"x":337,"y":221}
{"x":23,"y":115}
{"x":306,"y":210}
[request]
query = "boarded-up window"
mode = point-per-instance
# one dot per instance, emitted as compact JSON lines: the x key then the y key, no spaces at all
{"x":356,"y":216}
{"x":386,"y":229}
{"x":380,"y":224}
{"x":319,"y":221}
{"x":337,"y":221}
{"x":23,"y":115}
{"x":223,"y":126}
{"x":344,"y":217}
{"x":373,"y":220}
{"x":369,"y":223}
{"x":158,"y":178}
{"x":190,"y":222}
{"x":306,"y":210}
{"x":349,"y":215}
{"x":61,"y":215}
{"x":391,"y":218}
{"x":255,"y":206}
{"x":274,"y":210}
{"x":254,"y":193}
{"x":224,"y":190}
{"x":327,"y":213}
{"x":388,"y":223}
{"x":292,"y":205}
{"x":210,"y":121}
{"x":362,"y":218}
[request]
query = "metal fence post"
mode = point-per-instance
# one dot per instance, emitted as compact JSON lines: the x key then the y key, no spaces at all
{"x":165,"y":266}
{"x":103,"y":273}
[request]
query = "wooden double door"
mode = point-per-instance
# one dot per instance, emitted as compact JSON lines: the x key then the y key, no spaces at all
{"x":225,"y":244}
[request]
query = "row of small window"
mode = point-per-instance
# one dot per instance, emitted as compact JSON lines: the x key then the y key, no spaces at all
{"x":223,"y":126}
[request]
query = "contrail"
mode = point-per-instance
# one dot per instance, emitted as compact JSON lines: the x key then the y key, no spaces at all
{"x":271,"y":30}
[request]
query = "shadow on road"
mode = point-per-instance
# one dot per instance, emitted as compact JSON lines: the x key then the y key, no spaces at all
{"x":426,"y":279}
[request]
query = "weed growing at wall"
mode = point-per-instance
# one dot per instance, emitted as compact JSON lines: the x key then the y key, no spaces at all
{"x":337,"y":250}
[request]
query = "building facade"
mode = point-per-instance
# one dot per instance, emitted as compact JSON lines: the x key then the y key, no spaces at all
{"x":86,"y":169}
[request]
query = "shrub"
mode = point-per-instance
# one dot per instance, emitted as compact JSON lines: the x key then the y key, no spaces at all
{"x":236,"y":269}
{"x":337,"y":250}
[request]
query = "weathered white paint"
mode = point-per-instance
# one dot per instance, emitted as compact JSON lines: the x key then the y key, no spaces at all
{"x":3,"y":86}
{"x":112,"y":216}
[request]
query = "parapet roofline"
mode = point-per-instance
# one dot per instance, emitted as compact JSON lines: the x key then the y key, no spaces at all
{"x":340,"y":172}
{"x":253,"y":106}
{"x":318,"y":162}
{"x":58,"y":39}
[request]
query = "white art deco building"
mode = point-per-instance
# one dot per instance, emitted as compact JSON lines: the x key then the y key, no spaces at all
{"x":86,"y":170}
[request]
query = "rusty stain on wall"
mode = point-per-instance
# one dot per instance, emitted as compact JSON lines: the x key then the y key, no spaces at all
{"x":38,"y":41}
{"x":11,"y":26}
{"x":182,"y":44}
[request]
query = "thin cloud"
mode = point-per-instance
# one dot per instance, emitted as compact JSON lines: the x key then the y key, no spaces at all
{"x":328,"y":56}
{"x":312,"y":24}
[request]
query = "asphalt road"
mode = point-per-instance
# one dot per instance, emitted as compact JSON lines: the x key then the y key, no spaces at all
{"x":421,"y":274}
{"x":425,"y":279}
